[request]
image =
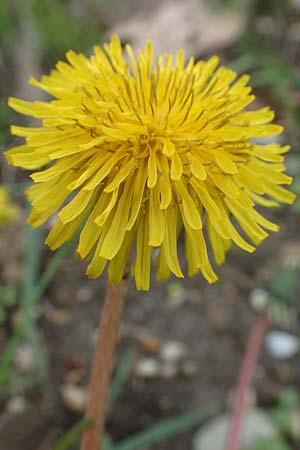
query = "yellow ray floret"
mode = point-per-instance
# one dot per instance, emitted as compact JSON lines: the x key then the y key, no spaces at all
{"x":141,"y":152}
{"x":8,"y":211}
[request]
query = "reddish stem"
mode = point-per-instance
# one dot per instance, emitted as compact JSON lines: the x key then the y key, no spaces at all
{"x":102,"y":367}
{"x":245,"y":379}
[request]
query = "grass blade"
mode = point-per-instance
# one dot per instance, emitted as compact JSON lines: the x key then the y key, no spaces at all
{"x":32,"y":243}
{"x":122,"y":374}
{"x":165,"y":429}
{"x":73,"y":434}
{"x":51,"y":270}
{"x":27,"y":327}
{"x":36,"y":294}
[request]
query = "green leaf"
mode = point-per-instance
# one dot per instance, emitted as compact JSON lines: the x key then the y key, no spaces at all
{"x":122,"y":374}
{"x":8,"y":295}
{"x":289,"y":398}
{"x":59,"y":30}
{"x":107,"y":443}
{"x":276,"y":443}
{"x":27,"y":310}
{"x":165,"y":429}
{"x":13,"y":383}
{"x":73,"y":434}
{"x":51,"y":270}
{"x":282,"y":415}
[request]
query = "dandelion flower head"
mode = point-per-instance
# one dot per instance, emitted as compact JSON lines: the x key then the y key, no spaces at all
{"x":8,"y":211}
{"x":138,"y":153}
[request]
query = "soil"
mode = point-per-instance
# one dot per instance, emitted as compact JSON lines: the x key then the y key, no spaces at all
{"x":212,"y":322}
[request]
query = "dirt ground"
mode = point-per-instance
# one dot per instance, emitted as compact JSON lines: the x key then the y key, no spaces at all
{"x":212,"y":323}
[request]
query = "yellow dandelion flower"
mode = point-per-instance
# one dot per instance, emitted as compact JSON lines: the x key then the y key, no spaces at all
{"x":8,"y":211}
{"x":140,"y":153}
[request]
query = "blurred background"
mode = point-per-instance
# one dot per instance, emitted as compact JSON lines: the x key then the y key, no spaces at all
{"x":181,"y":344}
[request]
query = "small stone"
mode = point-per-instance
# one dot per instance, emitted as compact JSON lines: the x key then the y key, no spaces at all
{"x":213,"y":435}
{"x":281,"y":345}
{"x":84,"y":294}
{"x":16,"y":405}
{"x":149,"y":342}
{"x":147,"y":368}
{"x":152,"y":344}
{"x":74,"y":397}
{"x":173,"y":351}
{"x":258,"y":299}
{"x":24,"y":361}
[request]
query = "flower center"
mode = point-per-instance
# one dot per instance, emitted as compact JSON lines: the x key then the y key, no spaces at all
{"x":144,"y":138}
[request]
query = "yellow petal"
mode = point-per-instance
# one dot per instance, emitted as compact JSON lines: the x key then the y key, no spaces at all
{"x":224,"y":162}
{"x":156,"y":220}
{"x":143,"y":255}
{"x":170,"y":242}
{"x":176,"y":167}
{"x":76,"y":206}
{"x":168,"y":148}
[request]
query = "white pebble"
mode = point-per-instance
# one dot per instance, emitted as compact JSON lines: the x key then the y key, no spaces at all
{"x":74,"y":397}
{"x":16,"y":405}
{"x":173,"y":351}
{"x":24,"y":360}
{"x":281,"y":345}
{"x":258,"y":299}
{"x":212,"y":436}
{"x":147,"y":368}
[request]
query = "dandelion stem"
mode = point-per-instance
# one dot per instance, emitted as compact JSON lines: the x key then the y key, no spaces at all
{"x":102,"y":367}
{"x":245,"y":379}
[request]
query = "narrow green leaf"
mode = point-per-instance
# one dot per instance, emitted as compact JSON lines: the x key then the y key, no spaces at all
{"x":27,"y":326}
{"x":166,"y":429}
{"x":276,"y":443}
{"x":73,"y":434}
{"x":107,"y":443}
{"x":51,"y":270}
{"x":122,"y":374}
{"x":32,"y":243}
{"x":40,"y":288}
{"x":14,"y":383}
